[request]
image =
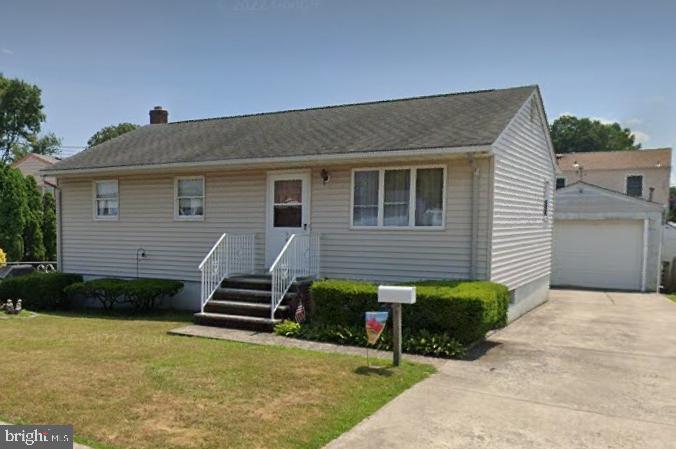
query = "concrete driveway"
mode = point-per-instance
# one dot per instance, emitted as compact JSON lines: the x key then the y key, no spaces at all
{"x":585,"y":370}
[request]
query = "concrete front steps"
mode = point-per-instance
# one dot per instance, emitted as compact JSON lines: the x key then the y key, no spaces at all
{"x":243,"y":302}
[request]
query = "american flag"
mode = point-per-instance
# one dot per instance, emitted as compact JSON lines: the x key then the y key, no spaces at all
{"x":300,"y":313}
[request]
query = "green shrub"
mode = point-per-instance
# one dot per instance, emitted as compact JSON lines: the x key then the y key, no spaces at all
{"x":421,"y":342}
{"x":107,"y":291}
{"x":39,"y":290}
{"x":287,"y":328}
{"x":463,"y":310}
{"x":141,"y":294}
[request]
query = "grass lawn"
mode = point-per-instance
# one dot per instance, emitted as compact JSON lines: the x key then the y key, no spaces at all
{"x":123,"y":382}
{"x":672,"y":297}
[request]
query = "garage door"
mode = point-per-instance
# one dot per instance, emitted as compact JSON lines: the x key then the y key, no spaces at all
{"x":598,"y":254}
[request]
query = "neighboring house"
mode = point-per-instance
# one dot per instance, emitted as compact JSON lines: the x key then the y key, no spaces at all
{"x":642,"y":174}
{"x":455,"y":186}
{"x":608,"y":224}
{"x":32,"y":163}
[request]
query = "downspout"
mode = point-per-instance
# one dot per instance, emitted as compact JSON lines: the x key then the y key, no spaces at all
{"x":474,"y":217}
{"x":59,"y":227}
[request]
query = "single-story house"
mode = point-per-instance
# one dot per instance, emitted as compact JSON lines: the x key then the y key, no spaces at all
{"x":606,"y":239}
{"x":453,"y":186}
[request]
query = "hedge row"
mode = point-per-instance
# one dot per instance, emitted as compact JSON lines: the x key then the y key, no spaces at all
{"x":140,"y":294}
{"x":39,"y":290}
{"x":463,"y":310}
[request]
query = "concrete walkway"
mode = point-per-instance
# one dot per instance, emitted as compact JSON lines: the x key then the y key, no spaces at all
{"x":585,"y":370}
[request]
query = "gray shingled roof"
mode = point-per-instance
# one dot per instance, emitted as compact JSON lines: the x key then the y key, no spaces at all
{"x":450,"y":120}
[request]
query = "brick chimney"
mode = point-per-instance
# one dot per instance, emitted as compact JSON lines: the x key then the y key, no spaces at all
{"x":158,"y":115}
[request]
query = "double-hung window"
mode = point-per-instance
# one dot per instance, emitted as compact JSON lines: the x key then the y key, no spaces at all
{"x":409,"y":197}
{"x":106,"y":200}
{"x":635,"y":185}
{"x":189,"y":198}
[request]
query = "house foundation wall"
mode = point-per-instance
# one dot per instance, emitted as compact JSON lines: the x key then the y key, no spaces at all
{"x":527,"y":297}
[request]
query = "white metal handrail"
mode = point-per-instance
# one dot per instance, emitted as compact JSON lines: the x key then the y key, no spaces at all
{"x":232,"y":254}
{"x":298,"y":258}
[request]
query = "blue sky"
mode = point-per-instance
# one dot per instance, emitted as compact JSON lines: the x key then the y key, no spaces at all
{"x":101,"y":63}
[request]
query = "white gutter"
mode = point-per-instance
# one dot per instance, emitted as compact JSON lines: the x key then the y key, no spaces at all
{"x":303,"y":160}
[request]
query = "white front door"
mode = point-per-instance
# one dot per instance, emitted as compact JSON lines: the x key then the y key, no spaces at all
{"x":288,"y":210}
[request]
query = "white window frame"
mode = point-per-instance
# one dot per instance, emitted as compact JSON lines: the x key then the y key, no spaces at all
{"x":95,"y":201}
{"x":626,"y":178}
{"x":412,"y":199}
{"x":178,"y":217}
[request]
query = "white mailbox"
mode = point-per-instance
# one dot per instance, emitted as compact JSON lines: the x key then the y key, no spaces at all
{"x":396,"y":295}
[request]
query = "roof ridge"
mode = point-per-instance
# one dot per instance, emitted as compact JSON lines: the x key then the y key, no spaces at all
{"x":363,"y":103}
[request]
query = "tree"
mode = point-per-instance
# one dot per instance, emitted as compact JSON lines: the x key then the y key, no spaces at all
{"x":13,"y":210}
{"x":110,"y":132}
{"x":20,"y":114}
{"x":571,"y":134}
{"x":48,"y":145}
{"x":49,"y":225}
{"x":34,"y":246}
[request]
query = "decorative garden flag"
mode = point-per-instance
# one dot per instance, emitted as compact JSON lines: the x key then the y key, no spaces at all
{"x":375,"y":324}
{"x":300,"y":313}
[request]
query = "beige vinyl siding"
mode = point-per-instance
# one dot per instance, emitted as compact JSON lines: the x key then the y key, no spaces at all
{"x":522,"y":237}
{"x":235,"y":202}
{"x":146,"y":220}
{"x":384,"y":255}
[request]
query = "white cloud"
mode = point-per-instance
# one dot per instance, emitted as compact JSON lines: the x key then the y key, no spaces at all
{"x":641,"y":137}
{"x":7,"y":51}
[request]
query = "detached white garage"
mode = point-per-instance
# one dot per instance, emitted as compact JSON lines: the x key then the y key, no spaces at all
{"x":606,"y":240}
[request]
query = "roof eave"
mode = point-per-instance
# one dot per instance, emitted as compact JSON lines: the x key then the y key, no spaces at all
{"x":284,"y":160}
